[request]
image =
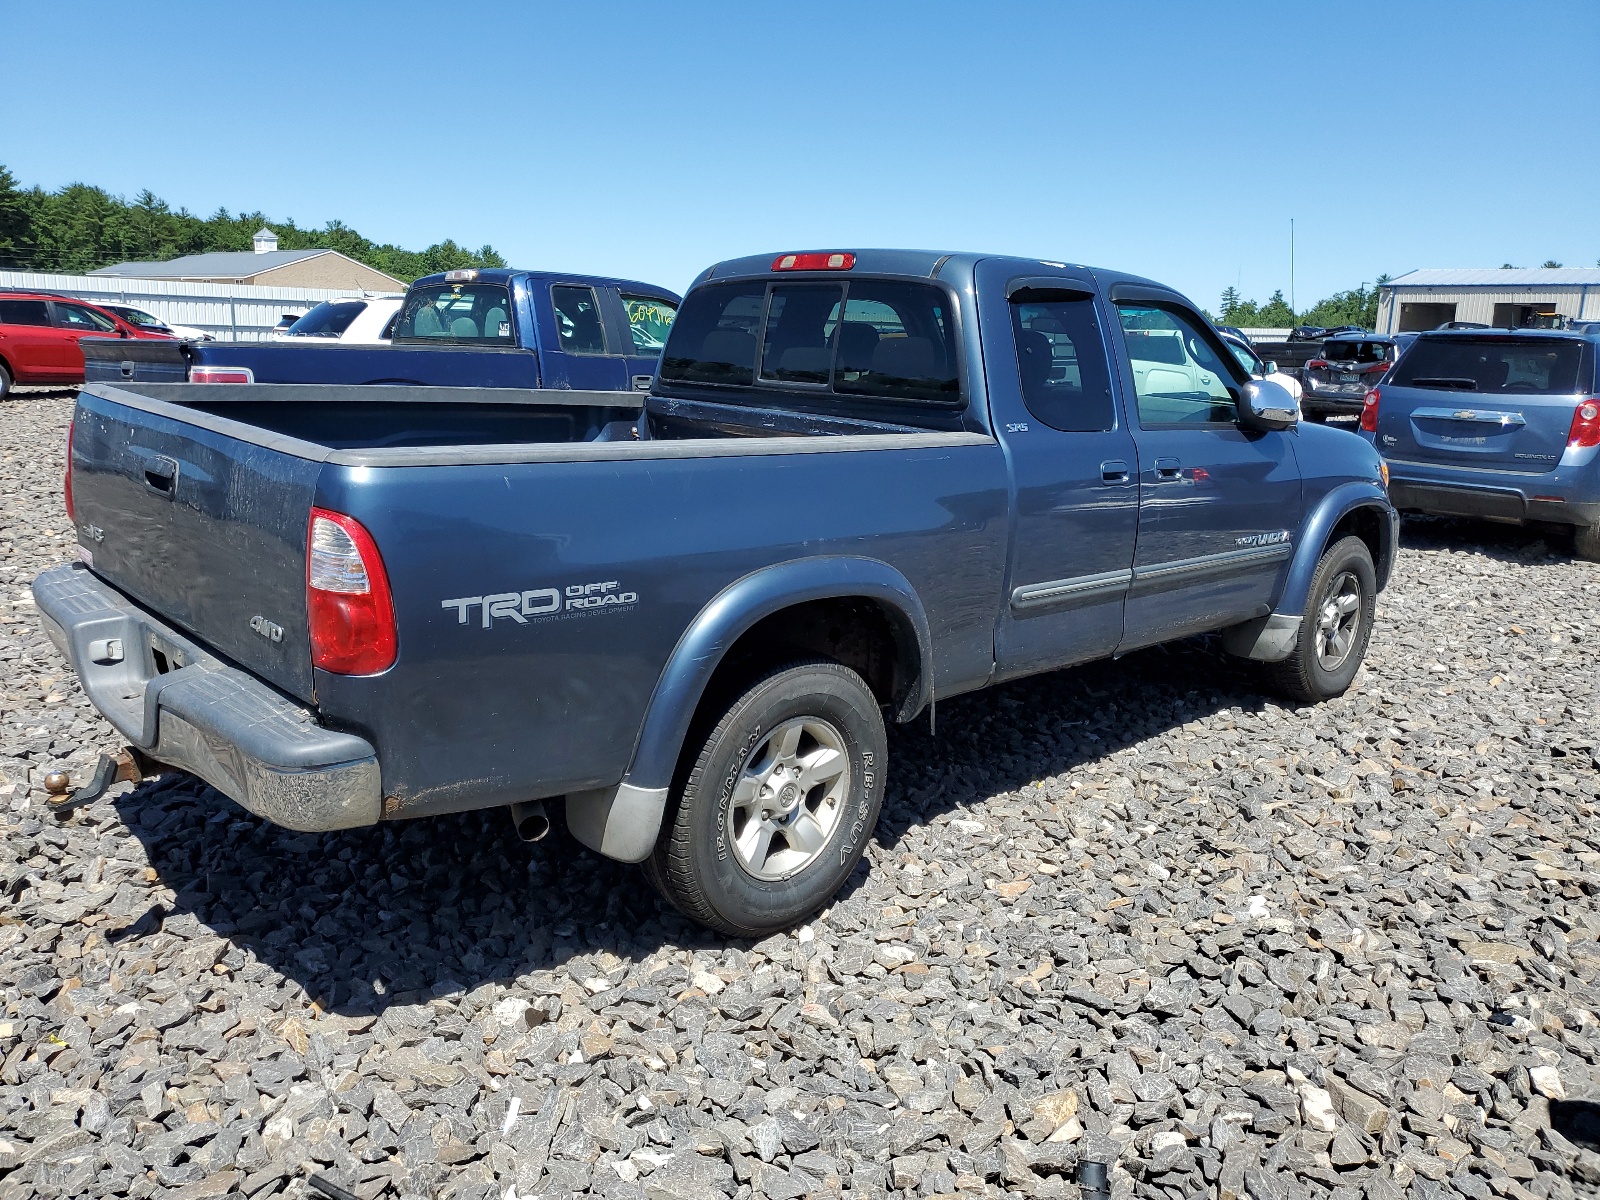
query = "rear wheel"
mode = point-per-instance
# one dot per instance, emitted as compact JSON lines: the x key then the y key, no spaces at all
{"x":5,"y":381}
{"x":1316,"y":416}
{"x":1335,"y":626}
{"x":1586,"y":542}
{"x":777,"y":809}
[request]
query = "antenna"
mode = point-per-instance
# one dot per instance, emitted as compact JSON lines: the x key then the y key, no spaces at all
{"x":1291,"y":266}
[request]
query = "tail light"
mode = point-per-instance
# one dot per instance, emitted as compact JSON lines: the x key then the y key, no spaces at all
{"x":1585,"y":429}
{"x":1378,"y":368}
{"x":66,"y":477}
{"x":1369,"y":410}
{"x":1317,"y":364}
{"x":348,"y":603}
{"x":221,"y":375}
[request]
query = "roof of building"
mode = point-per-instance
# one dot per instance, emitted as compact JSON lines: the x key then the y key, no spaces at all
{"x":1500,"y":277}
{"x":223,"y":264}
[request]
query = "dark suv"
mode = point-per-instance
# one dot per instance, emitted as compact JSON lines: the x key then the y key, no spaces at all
{"x":1337,"y":379}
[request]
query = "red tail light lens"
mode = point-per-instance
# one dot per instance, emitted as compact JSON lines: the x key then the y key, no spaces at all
{"x":221,"y":375}
{"x":1585,"y":429}
{"x":1369,"y":411}
{"x":66,"y":477}
{"x":1317,"y":364}
{"x":835,"y":260}
{"x":348,"y":602}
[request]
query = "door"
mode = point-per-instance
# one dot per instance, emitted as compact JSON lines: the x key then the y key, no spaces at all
{"x":1073,"y":465}
{"x":648,"y":319}
{"x":75,"y":321}
{"x":1219,"y":505}
{"x":29,"y":341}
{"x":582,"y":354}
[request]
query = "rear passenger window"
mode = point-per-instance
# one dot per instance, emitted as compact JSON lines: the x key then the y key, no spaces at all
{"x":649,"y":321}
{"x":579,"y":329}
{"x":24,"y":312}
{"x":1061,"y":357}
{"x":714,"y":338}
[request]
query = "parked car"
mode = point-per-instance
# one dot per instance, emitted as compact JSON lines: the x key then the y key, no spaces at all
{"x":1259,"y":369}
{"x":1344,"y":369}
{"x":40,"y":332}
{"x":284,"y":323}
{"x":1503,"y":425}
{"x":1318,"y":333}
{"x":478,"y":328}
{"x":139,"y":319}
{"x":861,"y":480}
{"x":1234,"y":331}
{"x":1463,"y":325}
{"x":356,"y":321}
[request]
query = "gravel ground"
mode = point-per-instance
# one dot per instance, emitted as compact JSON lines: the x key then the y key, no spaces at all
{"x":1136,"y":913}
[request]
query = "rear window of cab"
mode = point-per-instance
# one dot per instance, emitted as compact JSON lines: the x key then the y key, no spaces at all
{"x":883,"y":339}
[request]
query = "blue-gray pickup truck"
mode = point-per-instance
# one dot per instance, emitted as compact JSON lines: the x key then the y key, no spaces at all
{"x":862,"y":482}
{"x":492,"y":327}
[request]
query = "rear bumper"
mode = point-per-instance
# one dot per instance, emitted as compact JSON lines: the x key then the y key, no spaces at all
{"x":201,"y":715}
{"x":1557,"y":496}
{"x":1342,"y":402}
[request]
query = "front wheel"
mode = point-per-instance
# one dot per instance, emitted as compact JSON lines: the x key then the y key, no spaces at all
{"x":777,"y":809}
{"x":1335,"y":626}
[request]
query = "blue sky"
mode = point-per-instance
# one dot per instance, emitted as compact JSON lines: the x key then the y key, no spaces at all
{"x":649,"y":140}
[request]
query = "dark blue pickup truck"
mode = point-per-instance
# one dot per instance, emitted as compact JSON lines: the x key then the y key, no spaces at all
{"x":469,"y":328}
{"x":862,"y":482}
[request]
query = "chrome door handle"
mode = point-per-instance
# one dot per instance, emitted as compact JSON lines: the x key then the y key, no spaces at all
{"x":1114,"y":471}
{"x":1168,"y":470}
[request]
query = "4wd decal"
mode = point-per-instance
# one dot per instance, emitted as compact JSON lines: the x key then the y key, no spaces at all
{"x":573,"y":599}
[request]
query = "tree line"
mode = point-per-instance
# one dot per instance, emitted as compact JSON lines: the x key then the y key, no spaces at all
{"x":81,"y":228}
{"x":1358,"y":306}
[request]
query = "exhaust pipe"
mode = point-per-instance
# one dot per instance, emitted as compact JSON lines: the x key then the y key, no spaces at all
{"x":530,"y":819}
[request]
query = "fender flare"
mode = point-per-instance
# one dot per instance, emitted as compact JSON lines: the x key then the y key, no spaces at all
{"x":622,"y":822}
{"x":1331,"y":509}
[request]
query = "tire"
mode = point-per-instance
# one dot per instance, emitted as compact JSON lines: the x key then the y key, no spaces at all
{"x":1586,"y":542}
{"x":5,"y":381}
{"x":725,"y":864}
{"x":1312,"y":673}
{"x":1316,"y":416}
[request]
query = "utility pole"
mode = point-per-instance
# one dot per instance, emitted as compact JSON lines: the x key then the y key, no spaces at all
{"x":1292,"y":308}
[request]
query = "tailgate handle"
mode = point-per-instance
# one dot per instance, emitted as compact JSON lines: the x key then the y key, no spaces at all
{"x":1485,"y":416}
{"x":161,"y":475}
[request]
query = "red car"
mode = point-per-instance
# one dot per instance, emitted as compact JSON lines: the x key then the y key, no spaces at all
{"x":39,"y":336}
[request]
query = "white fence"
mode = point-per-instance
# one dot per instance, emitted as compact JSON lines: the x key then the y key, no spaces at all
{"x":230,"y":312}
{"x":1266,"y":335}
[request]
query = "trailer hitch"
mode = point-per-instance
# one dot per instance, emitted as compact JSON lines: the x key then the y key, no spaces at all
{"x":127,"y":765}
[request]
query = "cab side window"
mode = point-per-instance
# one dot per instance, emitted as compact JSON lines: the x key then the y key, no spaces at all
{"x":1061,"y":358}
{"x":24,"y":312}
{"x":649,"y":321}
{"x":579,"y":328}
{"x":71,"y":316}
{"x":1177,"y":377}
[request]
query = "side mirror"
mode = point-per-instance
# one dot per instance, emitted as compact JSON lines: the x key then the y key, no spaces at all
{"x":1269,"y":367}
{"x":122,"y":333}
{"x":1266,"y":405}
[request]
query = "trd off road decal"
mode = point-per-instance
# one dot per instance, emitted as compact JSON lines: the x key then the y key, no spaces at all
{"x":536,"y":603}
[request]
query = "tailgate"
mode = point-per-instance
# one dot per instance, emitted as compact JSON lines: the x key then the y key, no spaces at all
{"x":140,"y":360}
{"x":203,"y":529}
{"x":1499,"y":401}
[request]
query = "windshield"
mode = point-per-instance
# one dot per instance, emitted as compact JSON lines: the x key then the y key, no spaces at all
{"x":1507,"y":365}
{"x":328,"y":319}
{"x":459,"y":314}
{"x":136,"y":317}
{"x":1247,"y":359}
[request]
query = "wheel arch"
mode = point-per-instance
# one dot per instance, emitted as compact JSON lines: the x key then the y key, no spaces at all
{"x":756,"y":600}
{"x":1358,"y":508}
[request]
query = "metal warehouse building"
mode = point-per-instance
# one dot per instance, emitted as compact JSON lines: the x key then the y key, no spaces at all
{"x":1509,"y":298}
